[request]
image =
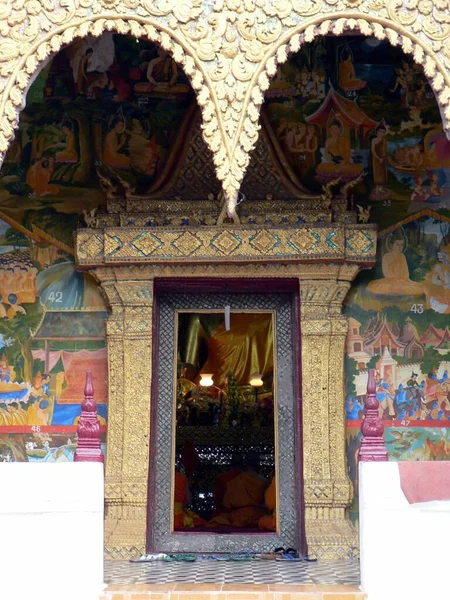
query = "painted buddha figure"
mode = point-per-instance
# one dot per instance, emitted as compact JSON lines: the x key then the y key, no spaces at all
{"x":113,"y":146}
{"x":347,"y":76}
{"x":70,"y":153}
{"x":396,"y":279}
{"x":338,"y":152}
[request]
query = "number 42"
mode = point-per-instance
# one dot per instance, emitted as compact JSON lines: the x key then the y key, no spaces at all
{"x":55,"y":297}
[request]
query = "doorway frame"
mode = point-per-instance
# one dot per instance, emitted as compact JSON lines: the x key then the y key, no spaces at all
{"x":324,"y":258}
{"x":243,"y":296}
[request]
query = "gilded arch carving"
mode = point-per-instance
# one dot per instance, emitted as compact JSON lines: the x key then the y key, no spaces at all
{"x":229,"y":50}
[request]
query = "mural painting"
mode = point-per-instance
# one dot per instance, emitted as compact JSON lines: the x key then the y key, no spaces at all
{"x":357,"y":111}
{"x":347,"y":109}
{"x":399,"y":325}
{"x":51,"y":330}
{"x":107,"y":107}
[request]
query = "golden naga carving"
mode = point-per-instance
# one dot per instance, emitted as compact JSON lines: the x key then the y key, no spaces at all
{"x":229,"y":49}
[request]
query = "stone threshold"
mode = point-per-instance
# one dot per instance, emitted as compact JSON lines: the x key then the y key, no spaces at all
{"x":205,"y":591}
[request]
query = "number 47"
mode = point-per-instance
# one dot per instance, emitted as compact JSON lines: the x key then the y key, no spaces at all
{"x":417,"y":308}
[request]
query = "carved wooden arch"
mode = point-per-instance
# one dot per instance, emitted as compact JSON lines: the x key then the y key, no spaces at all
{"x":437,"y":74}
{"x":228,"y":50}
{"x":13,"y":96}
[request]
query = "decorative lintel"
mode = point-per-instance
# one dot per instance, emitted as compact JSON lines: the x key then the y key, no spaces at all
{"x":239,"y":244}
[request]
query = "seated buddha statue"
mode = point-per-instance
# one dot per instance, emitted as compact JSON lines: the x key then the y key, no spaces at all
{"x":396,"y":279}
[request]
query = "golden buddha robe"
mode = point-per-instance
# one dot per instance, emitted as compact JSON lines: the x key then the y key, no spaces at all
{"x":244,"y":497}
{"x":244,"y":350}
{"x":268,"y":522}
{"x":396,"y":277}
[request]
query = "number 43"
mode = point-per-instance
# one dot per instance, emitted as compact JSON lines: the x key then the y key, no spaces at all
{"x":417,"y":308}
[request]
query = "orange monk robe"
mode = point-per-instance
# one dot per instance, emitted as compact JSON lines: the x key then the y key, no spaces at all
{"x":221,"y":487}
{"x":244,"y":498}
{"x":183,"y":518}
{"x":268,"y":522}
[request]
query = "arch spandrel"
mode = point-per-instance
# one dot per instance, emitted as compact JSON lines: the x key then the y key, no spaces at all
{"x":228,"y":49}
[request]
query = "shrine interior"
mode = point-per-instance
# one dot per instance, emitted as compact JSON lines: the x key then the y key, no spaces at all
{"x":225,"y":403}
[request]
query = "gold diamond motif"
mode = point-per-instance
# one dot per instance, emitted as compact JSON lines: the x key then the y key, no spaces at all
{"x":92,"y":248}
{"x":146,"y":243}
{"x":360,"y":243}
{"x":264,"y":242}
{"x":187,"y":244}
{"x":226,"y":243}
{"x":303,"y":241}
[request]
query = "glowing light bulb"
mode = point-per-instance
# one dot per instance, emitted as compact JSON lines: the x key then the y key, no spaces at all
{"x":206,"y":379}
{"x":256,"y":380}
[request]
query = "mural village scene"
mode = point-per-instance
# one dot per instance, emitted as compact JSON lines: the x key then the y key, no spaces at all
{"x":348,"y":108}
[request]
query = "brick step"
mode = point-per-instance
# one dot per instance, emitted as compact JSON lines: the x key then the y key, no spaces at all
{"x":206,"y":591}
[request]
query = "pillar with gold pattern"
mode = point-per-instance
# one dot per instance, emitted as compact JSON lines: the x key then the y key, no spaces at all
{"x":129,"y":343}
{"x":327,"y":488}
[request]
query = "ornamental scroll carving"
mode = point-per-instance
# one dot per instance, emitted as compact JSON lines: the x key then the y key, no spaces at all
{"x":229,"y":49}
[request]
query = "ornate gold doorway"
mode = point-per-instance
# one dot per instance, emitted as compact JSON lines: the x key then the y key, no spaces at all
{"x":211,"y":445}
{"x":324,"y":258}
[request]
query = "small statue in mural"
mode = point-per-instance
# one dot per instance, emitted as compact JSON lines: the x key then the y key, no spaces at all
{"x":82,"y":81}
{"x":419,"y":193}
{"x":379,"y":164}
{"x":395,"y":269}
{"x":14,"y":307}
{"x":337,"y":146}
{"x":113,"y":144}
{"x":385,"y":396}
{"x":310,"y":148}
{"x":161,"y":74}
{"x":348,"y":81}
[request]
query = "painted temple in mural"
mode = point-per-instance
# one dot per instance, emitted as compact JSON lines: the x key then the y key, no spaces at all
{"x":116,"y":112}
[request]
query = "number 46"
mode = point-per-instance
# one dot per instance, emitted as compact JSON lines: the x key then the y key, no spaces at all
{"x":417,"y":308}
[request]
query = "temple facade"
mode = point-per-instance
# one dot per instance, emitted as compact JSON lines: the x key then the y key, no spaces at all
{"x":290,"y":159}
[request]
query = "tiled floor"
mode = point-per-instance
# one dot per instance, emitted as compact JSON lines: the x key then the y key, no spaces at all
{"x":340,"y":572}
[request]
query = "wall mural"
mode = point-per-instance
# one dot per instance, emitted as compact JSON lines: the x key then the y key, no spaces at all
{"x":399,"y":325}
{"x":358,"y":110}
{"x":348,"y":108}
{"x":109,"y":105}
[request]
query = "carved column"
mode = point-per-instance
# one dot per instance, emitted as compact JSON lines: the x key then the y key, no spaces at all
{"x":129,"y":344}
{"x":327,"y":488}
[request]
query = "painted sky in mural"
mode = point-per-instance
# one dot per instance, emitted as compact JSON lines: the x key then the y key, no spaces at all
{"x":358,"y":110}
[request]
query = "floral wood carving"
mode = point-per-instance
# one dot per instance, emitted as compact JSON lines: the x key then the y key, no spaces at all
{"x":229,"y":49}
